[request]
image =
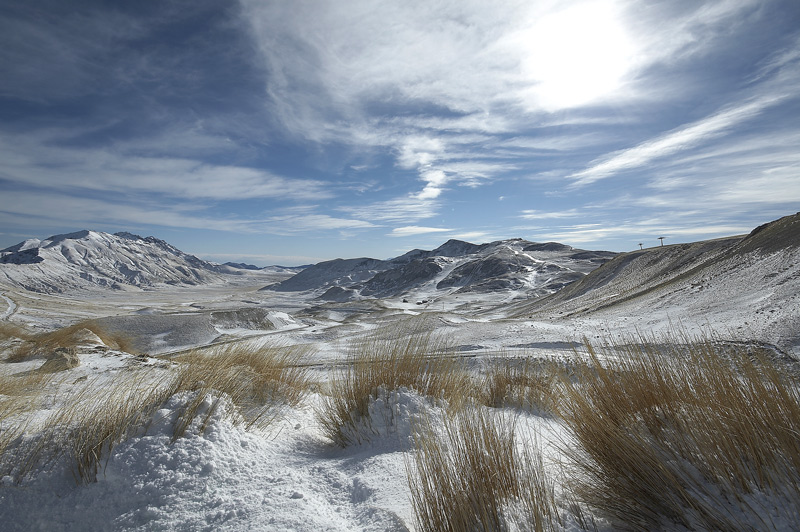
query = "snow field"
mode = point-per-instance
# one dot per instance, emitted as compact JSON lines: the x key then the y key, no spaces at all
{"x":290,"y":474}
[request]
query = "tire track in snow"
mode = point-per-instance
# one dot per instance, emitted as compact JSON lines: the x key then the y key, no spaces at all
{"x":12,"y":308}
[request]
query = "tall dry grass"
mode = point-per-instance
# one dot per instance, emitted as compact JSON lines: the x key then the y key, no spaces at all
{"x":10,"y":330}
{"x":474,"y":477}
{"x":85,"y":428}
{"x":525,"y":384}
{"x":259,"y":380}
{"x":99,"y":414}
{"x":416,"y":362}
{"x":685,"y":435}
{"x":20,"y":396}
{"x":43,"y":344}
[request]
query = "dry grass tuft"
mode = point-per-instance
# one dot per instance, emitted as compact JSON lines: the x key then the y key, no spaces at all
{"x":685,"y":435}
{"x":473,"y":477}
{"x":43,"y":344}
{"x":98,"y":416}
{"x":99,"y":426}
{"x":85,"y":428}
{"x":525,"y":384}
{"x":415,"y":362}
{"x":10,"y":331}
{"x":20,"y":395}
{"x":257,"y":379}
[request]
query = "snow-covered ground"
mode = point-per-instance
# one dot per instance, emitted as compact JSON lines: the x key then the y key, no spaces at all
{"x":289,"y":477}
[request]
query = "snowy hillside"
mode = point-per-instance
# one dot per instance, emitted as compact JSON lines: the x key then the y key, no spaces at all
{"x":90,"y":258}
{"x":454,"y":267}
{"x":750,"y":283}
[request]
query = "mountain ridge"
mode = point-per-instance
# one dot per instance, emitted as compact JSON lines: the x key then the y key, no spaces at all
{"x":85,"y":259}
{"x":454,"y":267}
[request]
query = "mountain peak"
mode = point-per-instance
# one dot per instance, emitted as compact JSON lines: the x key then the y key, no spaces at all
{"x":77,"y":235}
{"x":128,"y":236}
{"x":84,"y":259}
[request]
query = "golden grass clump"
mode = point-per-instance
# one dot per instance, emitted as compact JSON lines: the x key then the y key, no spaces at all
{"x":256,"y":379}
{"x":44,"y":344}
{"x":415,"y":362}
{"x":85,"y":428}
{"x":525,"y":384}
{"x":685,"y":435}
{"x":99,"y":426}
{"x":19,"y":396}
{"x":9,"y":331}
{"x":474,"y":477}
{"x":98,"y":416}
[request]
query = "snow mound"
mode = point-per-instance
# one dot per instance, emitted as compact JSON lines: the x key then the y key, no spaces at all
{"x":392,"y":418}
{"x":149,"y":482}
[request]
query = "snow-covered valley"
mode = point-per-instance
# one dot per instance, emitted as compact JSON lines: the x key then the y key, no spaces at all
{"x":509,"y":300}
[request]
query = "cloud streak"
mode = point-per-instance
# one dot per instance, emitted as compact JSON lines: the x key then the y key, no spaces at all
{"x":675,"y":141}
{"x":37,"y":164}
{"x":413,"y":230}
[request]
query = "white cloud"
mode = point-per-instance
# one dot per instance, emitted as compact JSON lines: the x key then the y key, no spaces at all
{"x":258,"y":259}
{"x":52,"y":208}
{"x":675,"y":141}
{"x":412,"y":230}
{"x":531,"y":214}
{"x":409,"y":76}
{"x":32,"y":162}
{"x":311,"y":223}
{"x":404,"y":210}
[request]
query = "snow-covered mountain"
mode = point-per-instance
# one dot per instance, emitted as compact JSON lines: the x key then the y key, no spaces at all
{"x":90,"y":258}
{"x":454,"y":267}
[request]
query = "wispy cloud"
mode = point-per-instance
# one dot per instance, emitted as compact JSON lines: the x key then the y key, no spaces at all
{"x":412,"y":230}
{"x":35,"y":163}
{"x":257,"y":258}
{"x":354,"y":120}
{"x":530,"y":214}
{"x":675,"y":141}
{"x":309,"y":223}
{"x":405,"y":210}
{"x":54,"y":208}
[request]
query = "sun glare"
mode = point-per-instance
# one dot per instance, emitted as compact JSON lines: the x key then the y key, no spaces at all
{"x":576,"y":55}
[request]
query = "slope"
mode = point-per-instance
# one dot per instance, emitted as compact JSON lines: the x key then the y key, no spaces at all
{"x":87,"y":259}
{"x":748,"y":283}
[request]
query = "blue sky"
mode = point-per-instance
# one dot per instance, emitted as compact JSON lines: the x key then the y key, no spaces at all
{"x":289,"y":132}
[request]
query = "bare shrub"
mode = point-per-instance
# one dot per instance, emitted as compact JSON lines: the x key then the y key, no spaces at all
{"x":685,"y":435}
{"x":414,"y":362}
{"x":474,"y":477}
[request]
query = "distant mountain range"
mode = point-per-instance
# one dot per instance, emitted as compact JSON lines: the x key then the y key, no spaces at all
{"x":752,"y":281}
{"x":91,"y":259}
{"x":454,"y":267}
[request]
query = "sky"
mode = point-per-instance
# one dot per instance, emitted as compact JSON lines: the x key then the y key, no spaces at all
{"x":291,"y":132}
